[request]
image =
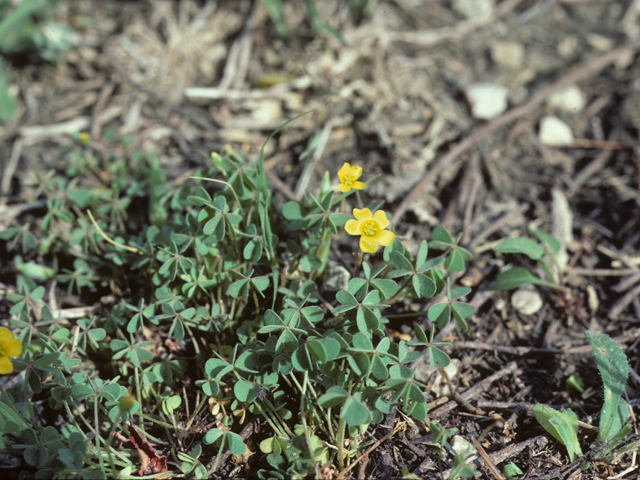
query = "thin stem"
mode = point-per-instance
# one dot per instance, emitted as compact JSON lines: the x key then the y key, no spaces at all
{"x":196,"y":347}
{"x":28,"y":402}
{"x":276,"y":416}
{"x":110,"y":441}
{"x":12,"y":406}
{"x":340,"y":442}
{"x":156,"y":421}
{"x":215,"y":465}
{"x":138,"y":394}
{"x":303,"y":419}
{"x":549,"y":274}
{"x":356,"y":270}
{"x":97,"y":433}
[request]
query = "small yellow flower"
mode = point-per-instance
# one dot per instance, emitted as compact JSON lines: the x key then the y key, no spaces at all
{"x":85,"y":138}
{"x":371,"y":228}
{"x":349,"y":178}
{"x":127,"y":403}
{"x":9,"y":347}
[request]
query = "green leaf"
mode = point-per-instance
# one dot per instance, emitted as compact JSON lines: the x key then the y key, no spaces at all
{"x":334,"y":397}
{"x":212,"y":435}
{"x":562,"y":425}
{"x":522,"y":245}
{"x":309,"y":263}
{"x":46,"y":360}
{"x":261,"y":283}
{"x":8,"y":104}
{"x":441,"y":235}
{"x":459,"y":292}
{"x":292,"y":211}
{"x":245,"y":391}
{"x":459,"y":320}
{"x":355,"y":412}
{"x":110,"y":391}
{"x":516,"y":277}
{"x":438,"y":358}
{"x":387,"y":288}
{"x":80,"y":392}
{"x":367,"y":321}
{"x":614,"y":369}
{"x":420,"y":335}
{"x":35,"y":271}
{"x":440,"y":314}
{"x":346,"y":298}
{"x":455,"y":261}
{"x":170,"y":404}
{"x":424,"y":286}
{"x":287,"y":342}
{"x":546,"y":239}
{"x":465,"y":310}
{"x":421,"y":259}
{"x":238,"y":288}
{"x":326,"y":349}
{"x":511,"y":471}
{"x":400,"y":262}
{"x":235,"y":443}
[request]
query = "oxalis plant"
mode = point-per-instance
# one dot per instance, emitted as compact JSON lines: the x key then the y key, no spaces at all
{"x":215,"y":329}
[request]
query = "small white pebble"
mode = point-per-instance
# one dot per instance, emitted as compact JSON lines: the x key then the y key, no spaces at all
{"x":571,"y":99}
{"x":487,"y":100}
{"x":554,"y":132}
{"x":526,"y":301}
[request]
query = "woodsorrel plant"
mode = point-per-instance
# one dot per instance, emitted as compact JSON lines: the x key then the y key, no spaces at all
{"x":213,"y":299}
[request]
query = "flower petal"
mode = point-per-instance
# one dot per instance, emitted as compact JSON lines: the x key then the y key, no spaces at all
{"x":5,"y":365}
{"x":385,"y":237}
{"x":5,"y":334}
{"x":352,"y":227}
{"x":356,"y":172}
{"x":358,"y":185}
{"x":381,"y":217}
{"x":344,"y":188}
{"x":368,"y":244}
{"x":344,"y":171}
{"x":12,"y":348}
{"x":363,"y":214}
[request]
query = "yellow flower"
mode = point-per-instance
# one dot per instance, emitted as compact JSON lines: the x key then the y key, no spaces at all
{"x":9,"y":347}
{"x":348,"y":178}
{"x":127,"y":403}
{"x":85,"y":138}
{"x":372,"y":229}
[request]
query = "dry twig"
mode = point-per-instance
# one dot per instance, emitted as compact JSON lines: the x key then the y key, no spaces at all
{"x":579,"y":73}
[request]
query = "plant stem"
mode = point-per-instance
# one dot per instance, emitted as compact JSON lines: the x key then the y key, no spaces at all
{"x":97,"y":432}
{"x":215,"y":465}
{"x":12,"y":406}
{"x":28,"y":402}
{"x":340,"y":442}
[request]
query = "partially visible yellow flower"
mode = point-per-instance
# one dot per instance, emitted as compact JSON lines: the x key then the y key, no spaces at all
{"x":85,"y":138}
{"x":9,"y":347}
{"x":371,"y":228}
{"x":349,"y":178}
{"x":127,"y":403}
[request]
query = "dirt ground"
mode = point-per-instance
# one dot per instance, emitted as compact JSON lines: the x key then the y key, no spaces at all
{"x":480,"y":116}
